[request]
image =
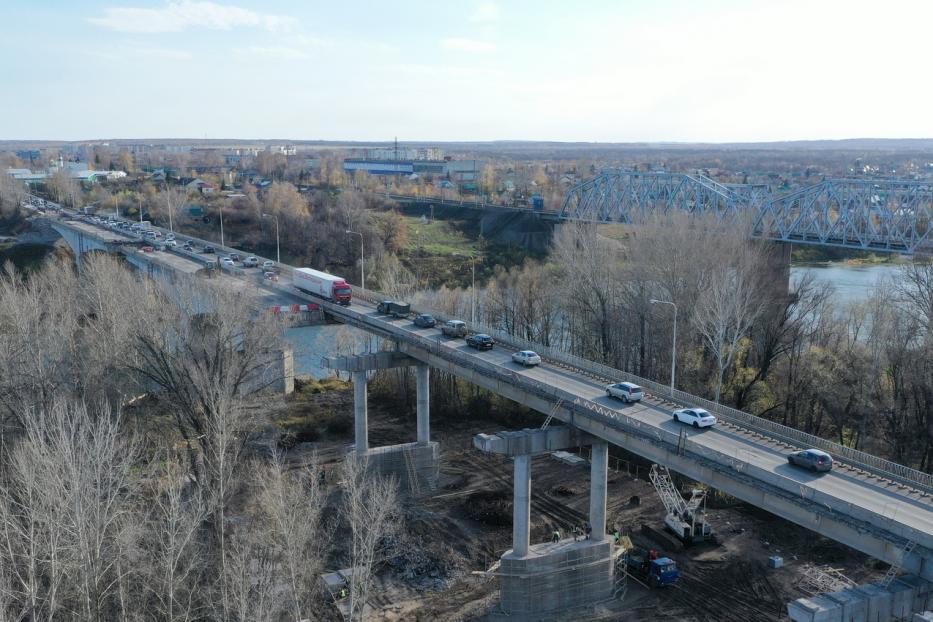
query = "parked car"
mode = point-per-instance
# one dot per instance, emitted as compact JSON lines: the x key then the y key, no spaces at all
{"x":226,"y":262}
{"x":812,"y":459}
{"x":250,"y":262}
{"x":188,"y":247}
{"x":480,"y":341}
{"x":454,"y":328}
{"x":172,"y":243}
{"x":209,"y":250}
{"x":234,"y":256}
{"x":169,"y":236}
{"x":526,"y":358}
{"x":625,"y":391}
{"x":425,"y":320}
{"x":697,"y":417}
{"x":270,"y":276}
{"x":268,"y":265}
{"x":148,"y":249}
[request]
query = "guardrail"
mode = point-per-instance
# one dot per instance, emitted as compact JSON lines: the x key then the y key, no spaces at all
{"x":779,"y":432}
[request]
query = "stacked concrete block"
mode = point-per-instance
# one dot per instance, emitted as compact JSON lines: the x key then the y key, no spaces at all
{"x":555,"y":577}
{"x":902,"y":600}
{"x":853,"y":604}
{"x":923,"y":594}
{"x":814,"y":609}
{"x":879,"y":602}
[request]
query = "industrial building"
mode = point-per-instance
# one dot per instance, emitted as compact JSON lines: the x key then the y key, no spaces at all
{"x":456,"y":170}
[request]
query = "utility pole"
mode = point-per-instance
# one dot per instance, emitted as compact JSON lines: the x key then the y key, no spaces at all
{"x":278,"y":255}
{"x":362,"y":259}
{"x":674,"y":346}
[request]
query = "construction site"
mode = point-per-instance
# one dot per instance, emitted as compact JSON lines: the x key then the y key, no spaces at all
{"x":678,"y":551}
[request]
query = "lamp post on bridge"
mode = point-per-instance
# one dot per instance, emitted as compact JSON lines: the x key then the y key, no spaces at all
{"x":674,"y":346}
{"x":278,"y":255}
{"x":362,"y":259}
{"x":472,"y":286}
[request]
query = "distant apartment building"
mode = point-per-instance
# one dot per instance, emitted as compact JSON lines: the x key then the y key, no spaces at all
{"x":405,"y":153}
{"x":286,"y":150}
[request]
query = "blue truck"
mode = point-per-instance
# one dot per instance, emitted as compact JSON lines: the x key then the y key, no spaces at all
{"x":654,"y":570}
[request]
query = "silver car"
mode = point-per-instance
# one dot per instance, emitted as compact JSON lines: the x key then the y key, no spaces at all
{"x":526,"y":358}
{"x":625,"y":391}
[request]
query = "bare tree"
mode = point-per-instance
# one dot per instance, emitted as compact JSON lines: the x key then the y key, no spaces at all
{"x":370,"y":510}
{"x":730,"y":302}
{"x":291,"y":503}
{"x":173,"y":544}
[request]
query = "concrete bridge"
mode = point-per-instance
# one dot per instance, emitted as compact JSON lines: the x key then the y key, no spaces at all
{"x":875,"y":506}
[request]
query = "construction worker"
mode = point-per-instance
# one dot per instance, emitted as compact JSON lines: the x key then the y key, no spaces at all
{"x":556,"y":536}
{"x":589,"y":531}
{"x":343,"y":592}
{"x":616,"y":536}
{"x":576,"y":532}
{"x":322,"y":477}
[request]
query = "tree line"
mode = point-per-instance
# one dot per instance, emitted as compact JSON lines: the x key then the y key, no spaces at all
{"x":860,"y":374}
{"x":133,"y":481}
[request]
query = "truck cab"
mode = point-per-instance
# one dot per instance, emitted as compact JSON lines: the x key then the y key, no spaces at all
{"x":663,"y":572}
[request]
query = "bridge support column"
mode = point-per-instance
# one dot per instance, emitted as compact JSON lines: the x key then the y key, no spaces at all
{"x":599,"y":463}
{"x":539,"y":580}
{"x":414,"y":465}
{"x":360,"y":423}
{"x":521,"y":506}
{"x":423,"y":388}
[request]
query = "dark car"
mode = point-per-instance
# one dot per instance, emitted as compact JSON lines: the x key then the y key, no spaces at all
{"x":208,"y":249}
{"x":812,"y":459}
{"x":480,"y":342}
{"x":425,"y":320}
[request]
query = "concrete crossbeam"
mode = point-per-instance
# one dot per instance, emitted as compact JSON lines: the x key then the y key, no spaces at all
{"x":530,"y":441}
{"x":366,"y":362}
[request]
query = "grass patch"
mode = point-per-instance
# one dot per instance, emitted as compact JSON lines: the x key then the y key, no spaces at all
{"x":438,"y":237}
{"x":313,"y":386}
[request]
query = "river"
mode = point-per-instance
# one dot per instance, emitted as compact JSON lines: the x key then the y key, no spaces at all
{"x":852,"y":283}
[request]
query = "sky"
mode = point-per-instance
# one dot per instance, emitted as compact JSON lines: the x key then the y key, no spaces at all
{"x":466,"y":70}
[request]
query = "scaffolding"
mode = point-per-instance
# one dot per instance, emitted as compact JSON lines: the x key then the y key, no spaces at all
{"x":821,"y":579}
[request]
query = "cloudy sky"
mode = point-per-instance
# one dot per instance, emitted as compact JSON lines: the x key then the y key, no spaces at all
{"x":588,"y":70}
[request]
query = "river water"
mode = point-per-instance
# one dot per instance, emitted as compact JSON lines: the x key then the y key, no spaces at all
{"x":851,"y":283}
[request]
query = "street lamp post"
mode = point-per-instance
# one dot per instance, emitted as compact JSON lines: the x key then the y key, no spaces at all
{"x":472,"y":287}
{"x":221,"y":206}
{"x":169,"y":208}
{"x":674,"y":347}
{"x":362,"y":259}
{"x":278,"y":255}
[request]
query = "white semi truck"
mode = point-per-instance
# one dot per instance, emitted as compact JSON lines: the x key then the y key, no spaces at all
{"x":323,"y":285}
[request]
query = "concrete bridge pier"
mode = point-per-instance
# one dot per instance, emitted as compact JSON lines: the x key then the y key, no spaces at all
{"x":414,"y":465}
{"x":543,"y":579}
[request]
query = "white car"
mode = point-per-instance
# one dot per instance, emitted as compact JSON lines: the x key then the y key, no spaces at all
{"x":526,"y":358}
{"x":226,"y":262}
{"x":625,"y":391}
{"x":697,"y":417}
{"x":250,"y":262}
{"x":171,"y":242}
{"x":268,"y":265}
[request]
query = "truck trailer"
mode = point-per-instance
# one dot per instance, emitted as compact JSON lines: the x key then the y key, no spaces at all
{"x":323,"y":285}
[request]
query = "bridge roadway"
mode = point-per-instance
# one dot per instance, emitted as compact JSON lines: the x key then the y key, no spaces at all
{"x":867,"y":512}
{"x":862,"y":511}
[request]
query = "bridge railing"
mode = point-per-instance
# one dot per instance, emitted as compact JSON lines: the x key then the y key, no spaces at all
{"x":867,"y":462}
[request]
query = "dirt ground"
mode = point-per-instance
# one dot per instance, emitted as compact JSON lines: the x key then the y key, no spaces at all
{"x":465,"y":525}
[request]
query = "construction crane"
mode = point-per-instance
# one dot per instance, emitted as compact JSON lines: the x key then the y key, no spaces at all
{"x":685,"y":517}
